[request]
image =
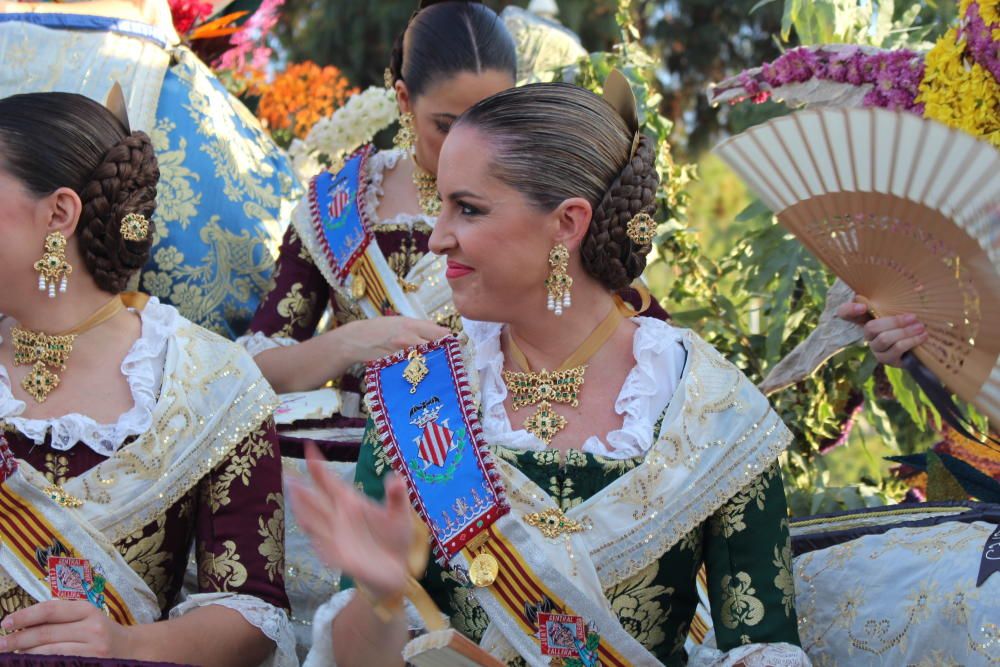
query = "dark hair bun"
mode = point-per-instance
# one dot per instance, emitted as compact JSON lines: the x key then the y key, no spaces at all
{"x":124,"y":182}
{"x":446,"y":37}
{"x":608,"y":254}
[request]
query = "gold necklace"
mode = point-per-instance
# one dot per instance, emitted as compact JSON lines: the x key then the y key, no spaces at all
{"x":42,"y":350}
{"x":562,"y":385}
{"x":427,"y":190}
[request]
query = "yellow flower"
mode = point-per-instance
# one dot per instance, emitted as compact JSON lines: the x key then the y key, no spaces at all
{"x":958,"y":92}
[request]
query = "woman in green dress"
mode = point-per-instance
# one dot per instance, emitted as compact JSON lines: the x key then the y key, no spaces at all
{"x":659,"y":456}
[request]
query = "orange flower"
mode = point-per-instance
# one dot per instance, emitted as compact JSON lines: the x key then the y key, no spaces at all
{"x":300,"y":96}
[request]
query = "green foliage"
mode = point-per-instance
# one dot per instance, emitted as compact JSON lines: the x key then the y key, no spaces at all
{"x":880,"y":23}
{"x":639,"y":67}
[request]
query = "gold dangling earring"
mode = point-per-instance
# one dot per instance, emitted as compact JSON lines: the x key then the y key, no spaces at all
{"x":406,"y":135}
{"x":52,"y":267}
{"x":559,"y":281}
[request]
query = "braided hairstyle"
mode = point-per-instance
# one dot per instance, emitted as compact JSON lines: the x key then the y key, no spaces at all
{"x":555,"y":141}
{"x":443,"y":39}
{"x":54,"y":140}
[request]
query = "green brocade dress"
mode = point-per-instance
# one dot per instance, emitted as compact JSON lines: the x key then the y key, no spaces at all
{"x":744,"y":546}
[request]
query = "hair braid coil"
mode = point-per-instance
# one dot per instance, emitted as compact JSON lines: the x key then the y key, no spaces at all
{"x":607,"y":252}
{"x":124,"y":182}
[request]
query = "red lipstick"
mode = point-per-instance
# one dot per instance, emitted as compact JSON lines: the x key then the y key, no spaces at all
{"x":457,"y":270}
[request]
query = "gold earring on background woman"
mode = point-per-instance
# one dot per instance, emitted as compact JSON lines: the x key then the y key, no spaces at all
{"x":559,"y":282}
{"x":425,"y":182}
{"x":405,"y":135}
{"x":52,"y":267}
{"x":427,"y":191}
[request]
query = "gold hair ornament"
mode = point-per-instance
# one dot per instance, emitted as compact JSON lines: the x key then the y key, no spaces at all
{"x":135,"y":227}
{"x":641,"y":229}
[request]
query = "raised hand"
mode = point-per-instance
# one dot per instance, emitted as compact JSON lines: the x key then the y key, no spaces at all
{"x":368,"y":541}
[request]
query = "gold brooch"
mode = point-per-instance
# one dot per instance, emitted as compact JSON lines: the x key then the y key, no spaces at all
{"x":641,"y":229}
{"x":58,"y":494}
{"x":135,"y":227}
{"x":553,"y":523}
{"x":415,"y":371}
{"x":545,"y":423}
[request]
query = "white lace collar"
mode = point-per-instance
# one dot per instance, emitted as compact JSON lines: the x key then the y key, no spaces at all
{"x":376,"y":166}
{"x":142,"y":367}
{"x":659,"y":356}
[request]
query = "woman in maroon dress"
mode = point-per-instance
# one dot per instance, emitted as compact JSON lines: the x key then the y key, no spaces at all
{"x":127,"y":433}
{"x":449,"y":56}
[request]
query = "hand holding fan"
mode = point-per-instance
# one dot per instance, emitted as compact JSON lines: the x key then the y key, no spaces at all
{"x":904,"y":210}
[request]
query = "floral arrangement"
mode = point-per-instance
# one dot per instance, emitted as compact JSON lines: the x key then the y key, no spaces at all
{"x":339,"y":134}
{"x":961,"y":87}
{"x":957,"y":82}
{"x":234,"y":44}
{"x":248,"y":49}
{"x":299,"y":97}
{"x":841,"y":75}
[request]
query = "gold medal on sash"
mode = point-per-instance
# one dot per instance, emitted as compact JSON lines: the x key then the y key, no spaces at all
{"x":485,"y":567}
{"x":358,"y":286}
{"x":484,"y":570}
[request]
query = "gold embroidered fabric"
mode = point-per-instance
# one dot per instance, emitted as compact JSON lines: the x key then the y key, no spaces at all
{"x":905,"y":597}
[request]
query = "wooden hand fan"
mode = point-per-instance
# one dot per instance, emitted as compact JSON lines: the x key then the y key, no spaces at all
{"x":904,"y":210}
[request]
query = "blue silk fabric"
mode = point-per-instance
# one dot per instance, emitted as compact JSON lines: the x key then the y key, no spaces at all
{"x":225,"y":197}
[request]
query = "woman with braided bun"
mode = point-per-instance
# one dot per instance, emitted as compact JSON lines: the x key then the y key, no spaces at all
{"x":449,"y":56}
{"x":643,"y":455}
{"x":127,"y":433}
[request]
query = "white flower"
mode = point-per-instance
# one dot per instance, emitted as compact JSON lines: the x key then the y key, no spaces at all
{"x":333,"y":138}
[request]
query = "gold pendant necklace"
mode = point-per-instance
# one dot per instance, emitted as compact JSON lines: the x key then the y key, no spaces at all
{"x":427,"y":190}
{"x":563,"y":385}
{"x":52,"y":351}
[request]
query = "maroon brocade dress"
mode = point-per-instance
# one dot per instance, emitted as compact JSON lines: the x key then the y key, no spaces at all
{"x":296,"y":304}
{"x":232,"y":511}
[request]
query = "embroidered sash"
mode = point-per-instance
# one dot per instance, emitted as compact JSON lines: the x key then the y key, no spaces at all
{"x":35,"y":526}
{"x":335,"y":229}
{"x":423,"y":409}
{"x":212,"y":397}
{"x":421,"y":402}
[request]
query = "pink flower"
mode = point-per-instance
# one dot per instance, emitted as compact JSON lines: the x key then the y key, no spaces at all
{"x":981,"y":46}
{"x":248,"y":50}
{"x":894,"y":75}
